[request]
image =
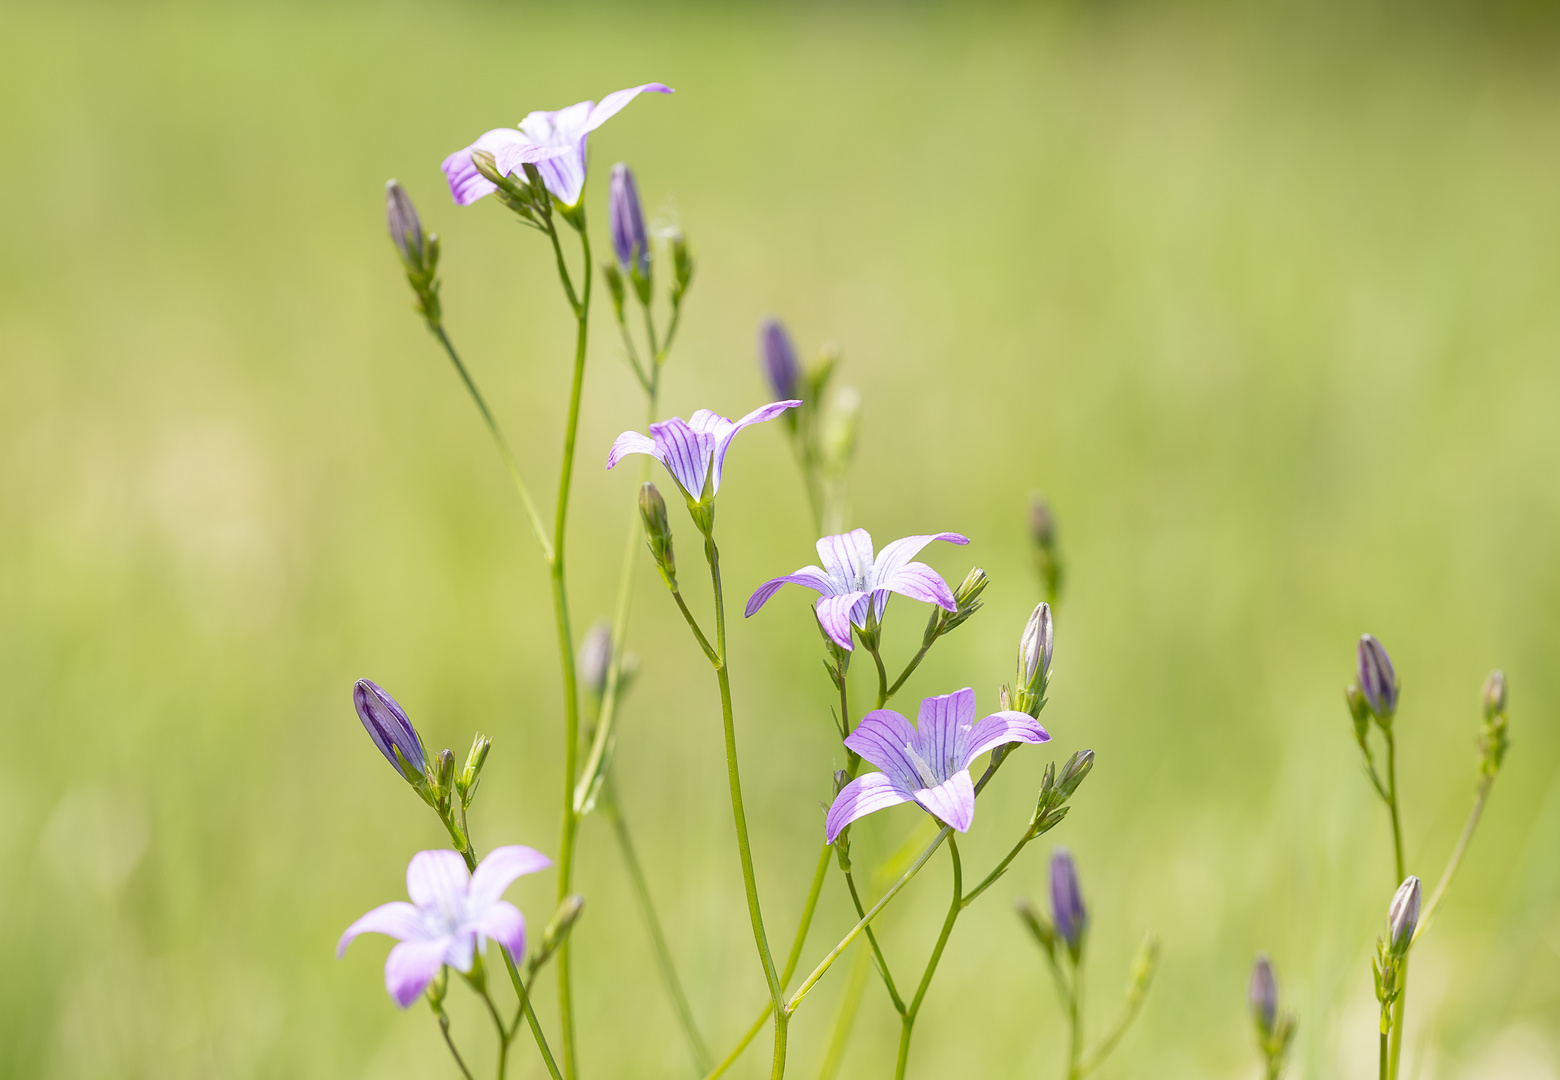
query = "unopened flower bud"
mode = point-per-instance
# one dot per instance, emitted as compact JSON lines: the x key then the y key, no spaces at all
{"x":1035,"y":921}
{"x":1493,"y":696}
{"x":1034,"y":650}
{"x":971,"y":587}
{"x":614,"y":279}
{"x":387,"y":724}
{"x":446,"y":770}
{"x":1377,"y":681}
{"x":627,"y":220}
{"x":658,"y":531}
{"x":595,"y":657}
{"x":437,"y":988}
{"x":841,"y":778}
{"x":562,"y":922}
{"x":406,"y":229}
{"x":777,"y":358}
{"x":1263,"y":996}
{"x":1359,"y":711}
{"x":486,"y":164}
{"x":1067,"y":908}
{"x":471,"y":772}
{"x":841,"y":429}
{"x":682,"y":264}
{"x":1074,"y":770}
{"x":1403,"y":915}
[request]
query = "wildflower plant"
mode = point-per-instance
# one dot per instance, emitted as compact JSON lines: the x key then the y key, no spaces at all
{"x":456,"y":918}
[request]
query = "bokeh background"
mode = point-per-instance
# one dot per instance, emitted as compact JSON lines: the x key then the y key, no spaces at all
{"x":1263,"y":296}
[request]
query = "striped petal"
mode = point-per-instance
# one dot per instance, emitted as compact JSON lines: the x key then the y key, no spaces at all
{"x":884,"y":738}
{"x":685,"y":452}
{"x":808,"y":577}
{"x":896,"y":554}
{"x":919,"y":582}
{"x":397,"y":919}
{"x":632,"y":442}
{"x":942,"y":730}
{"x":724,"y":436}
{"x":1001,"y":728}
{"x":437,"y":879}
{"x":952,"y":801}
{"x":862,"y":796}
{"x":834,"y":617}
{"x":466,"y":184}
{"x":847,"y":557}
{"x":613,"y":103}
{"x":499,"y":870}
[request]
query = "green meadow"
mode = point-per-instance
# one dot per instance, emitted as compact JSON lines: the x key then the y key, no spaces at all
{"x":1266,"y":298}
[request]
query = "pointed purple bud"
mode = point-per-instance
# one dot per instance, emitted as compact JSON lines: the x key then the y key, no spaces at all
{"x":1067,"y":909}
{"x":405,"y":226}
{"x":1263,"y":995}
{"x":1377,"y":680}
{"x":1034,"y":649}
{"x":387,"y":724}
{"x":627,"y":219}
{"x":1403,"y":915}
{"x":777,"y":356}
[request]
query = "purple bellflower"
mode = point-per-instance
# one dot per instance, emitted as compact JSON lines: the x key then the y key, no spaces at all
{"x":1067,"y":907}
{"x":693,"y":450}
{"x":777,"y":356}
{"x":553,"y":141}
{"x":1378,"y":681}
{"x":387,"y":724}
{"x":627,"y":218}
{"x":452,"y":915}
{"x":928,"y":763}
{"x":852,"y":581}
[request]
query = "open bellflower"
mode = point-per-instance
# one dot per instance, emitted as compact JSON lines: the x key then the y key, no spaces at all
{"x":852,"y":582}
{"x":451,"y":916}
{"x":553,"y":141}
{"x":387,"y":724}
{"x":693,"y":450}
{"x":927,"y":763}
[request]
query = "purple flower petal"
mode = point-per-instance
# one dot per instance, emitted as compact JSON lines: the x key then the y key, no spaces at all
{"x":862,"y":796}
{"x":511,"y":158}
{"x":632,"y":442}
{"x":685,"y":452}
{"x":1001,"y":728}
{"x":942,"y":730}
{"x":613,"y":103}
{"x":504,"y":924}
{"x":499,"y":870}
{"x":397,"y":919}
{"x":834,"y":617}
{"x":883,"y":738}
{"x":847,"y":557}
{"x":411,"y":966}
{"x":809,"y":577}
{"x":466,"y":184}
{"x":953,"y":800}
{"x":919,"y":582}
{"x":896,"y":554}
{"x":462,"y":948}
{"x":757,"y":416}
{"x":436,"y":879}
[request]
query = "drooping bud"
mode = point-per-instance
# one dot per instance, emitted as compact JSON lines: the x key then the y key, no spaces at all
{"x":1493,"y":695}
{"x":406,"y":230}
{"x":1377,"y":680}
{"x":1067,"y":907}
{"x":1263,"y":996}
{"x":1074,"y":770}
{"x":777,"y":357}
{"x":627,"y":220}
{"x":387,"y":724}
{"x":1037,"y":924}
{"x":563,"y":920}
{"x":658,"y":532}
{"x":471,"y":772}
{"x":1403,"y":915}
{"x":841,"y":429}
{"x":596,"y":657}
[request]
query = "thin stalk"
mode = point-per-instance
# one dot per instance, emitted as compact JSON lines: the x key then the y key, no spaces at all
{"x":1001,"y":868}
{"x":571,"y":697}
{"x":907,"y":1025}
{"x":845,"y":1016}
{"x":1381,"y":1067}
{"x":1481,"y":797}
{"x":503,"y":1034}
{"x":663,"y":954}
{"x":914,"y":663}
{"x":1096,"y":1054}
{"x":739,"y":813}
{"x":499,"y":441}
{"x":877,"y":952}
{"x":444,"y":1028}
{"x":523,"y":992}
{"x":1401,"y":1004}
{"x":1075,"y":1019}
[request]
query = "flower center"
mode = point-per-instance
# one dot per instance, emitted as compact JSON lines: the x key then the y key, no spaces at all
{"x":928,"y":777}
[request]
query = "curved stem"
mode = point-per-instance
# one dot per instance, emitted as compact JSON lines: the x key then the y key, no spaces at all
{"x":499,"y":441}
{"x":571,"y":697}
{"x":503,"y":1034}
{"x":1481,"y":796}
{"x":907,"y":1025}
{"x":444,"y":1028}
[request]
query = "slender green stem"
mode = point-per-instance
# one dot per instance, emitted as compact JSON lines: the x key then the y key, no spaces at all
{"x":845,"y":1016}
{"x":1075,"y":1021}
{"x":1401,"y":1004}
{"x":877,"y":952}
{"x":502,"y":443}
{"x":1381,"y":1067}
{"x":571,"y":697}
{"x":1000,"y":869}
{"x":663,"y":954}
{"x":1481,"y":796}
{"x":693,"y":624}
{"x":523,"y":993}
{"x":883,"y":691}
{"x":1096,"y":1054}
{"x":503,"y":1034}
{"x":914,"y":663}
{"x":444,"y":1029}
{"x":907,"y":1025}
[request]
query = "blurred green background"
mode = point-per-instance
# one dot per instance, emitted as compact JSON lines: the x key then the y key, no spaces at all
{"x":1263,"y":296}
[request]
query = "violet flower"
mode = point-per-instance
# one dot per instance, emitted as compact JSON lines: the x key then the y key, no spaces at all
{"x":553,"y":141}
{"x":452,"y":915}
{"x":627,"y":219}
{"x":1378,"y":681}
{"x":1262,"y":995}
{"x":693,"y":450}
{"x":387,"y":724}
{"x":1067,"y":907}
{"x":928,"y":763}
{"x":851,"y":575}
